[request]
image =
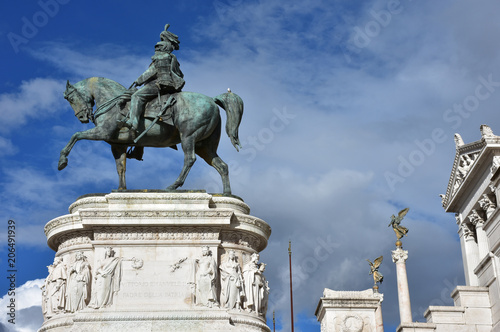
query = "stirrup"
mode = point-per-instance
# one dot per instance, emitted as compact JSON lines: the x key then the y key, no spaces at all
{"x":123,"y":123}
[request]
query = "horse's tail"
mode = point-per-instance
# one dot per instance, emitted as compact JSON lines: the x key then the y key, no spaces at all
{"x":233,"y":105}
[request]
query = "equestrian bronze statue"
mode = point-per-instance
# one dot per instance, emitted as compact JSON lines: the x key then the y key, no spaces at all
{"x":159,"y":116}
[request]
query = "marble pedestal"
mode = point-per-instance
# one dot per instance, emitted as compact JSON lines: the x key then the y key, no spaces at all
{"x":142,"y":256}
{"x":356,"y":311}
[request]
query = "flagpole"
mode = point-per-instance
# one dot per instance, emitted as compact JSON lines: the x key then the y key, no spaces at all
{"x":291,"y":292}
{"x":274,"y":323}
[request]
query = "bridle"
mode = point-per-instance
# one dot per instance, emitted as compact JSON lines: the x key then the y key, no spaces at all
{"x":87,"y":101}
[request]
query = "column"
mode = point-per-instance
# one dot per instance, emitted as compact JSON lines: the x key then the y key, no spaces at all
{"x":471,"y":253}
{"x":399,"y":256}
{"x":482,"y":239}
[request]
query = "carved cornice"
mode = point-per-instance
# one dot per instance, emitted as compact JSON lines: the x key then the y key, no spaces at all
{"x":92,"y":214}
{"x":104,"y":200}
{"x":92,"y":200}
{"x":151,"y":196}
{"x":461,"y":167}
{"x":59,"y":221}
{"x":260,"y":224}
{"x":47,"y":327}
{"x":399,"y":255}
{"x":221,"y":200}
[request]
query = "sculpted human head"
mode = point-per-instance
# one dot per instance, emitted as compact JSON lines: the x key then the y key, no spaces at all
{"x":164,"y":46}
{"x":255,"y":257}
{"x":205,"y":250}
{"x":109,"y":252}
{"x":232,"y":254}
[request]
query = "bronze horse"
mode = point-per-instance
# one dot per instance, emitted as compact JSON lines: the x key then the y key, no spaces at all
{"x":195,"y":117}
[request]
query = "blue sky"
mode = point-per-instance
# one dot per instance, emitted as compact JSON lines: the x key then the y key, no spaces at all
{"x":350,"y":111}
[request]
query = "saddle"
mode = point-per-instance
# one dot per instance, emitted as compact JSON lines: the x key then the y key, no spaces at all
{"x":153,"y":109}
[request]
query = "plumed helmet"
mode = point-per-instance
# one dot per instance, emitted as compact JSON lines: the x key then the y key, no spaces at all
{"x":167,"y":36}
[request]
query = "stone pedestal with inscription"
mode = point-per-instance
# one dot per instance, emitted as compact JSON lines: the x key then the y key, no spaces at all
{"x":156,"y":261}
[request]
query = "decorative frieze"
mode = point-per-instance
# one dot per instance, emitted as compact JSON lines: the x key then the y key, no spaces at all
{"x":464,"y":165}
{"x":144,"y":233}
{"x":241,"y":238}
{"x":75,"y":239}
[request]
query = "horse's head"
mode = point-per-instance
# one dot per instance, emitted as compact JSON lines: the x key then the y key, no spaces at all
{"x":81,"y":104}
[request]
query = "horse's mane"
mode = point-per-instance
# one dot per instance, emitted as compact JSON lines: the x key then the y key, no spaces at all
{"x":102,"y":88}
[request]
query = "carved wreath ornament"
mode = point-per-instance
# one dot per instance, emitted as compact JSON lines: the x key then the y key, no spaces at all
{"x":351,"y":323}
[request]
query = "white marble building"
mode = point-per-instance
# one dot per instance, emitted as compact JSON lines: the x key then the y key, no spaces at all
{"x":472,"y":195}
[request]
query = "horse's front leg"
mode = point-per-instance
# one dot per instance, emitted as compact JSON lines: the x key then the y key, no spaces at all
{"x":95,"y":134}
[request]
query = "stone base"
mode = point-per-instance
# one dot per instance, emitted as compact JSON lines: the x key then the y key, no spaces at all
{"x":417,"y":327}
{"x":148,"y":280}
{"x":203,"y":320}
{"x":350,"y":311}
{"x":472,"y":311}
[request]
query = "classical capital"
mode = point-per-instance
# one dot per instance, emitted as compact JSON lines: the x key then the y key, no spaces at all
{"x":487,"y":204}
{"x":467,"y":231}
{"x":399,"y":255}
{"x":475,"y":218}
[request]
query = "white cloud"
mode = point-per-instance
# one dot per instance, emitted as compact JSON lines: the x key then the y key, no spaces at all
{"x":108,"y":60}
{"x":37,"y":98}
{"x":28,"y":301}
{"x":6,"y":146}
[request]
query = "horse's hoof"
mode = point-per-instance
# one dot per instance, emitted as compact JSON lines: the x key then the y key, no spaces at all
{"x":63,"y":162}
{"x":171,"y":188}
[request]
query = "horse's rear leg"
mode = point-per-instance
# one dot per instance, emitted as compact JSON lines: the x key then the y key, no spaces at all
{"x":208,"y":153}
{"x":189,"y":159}
{"x":120,"y":154}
